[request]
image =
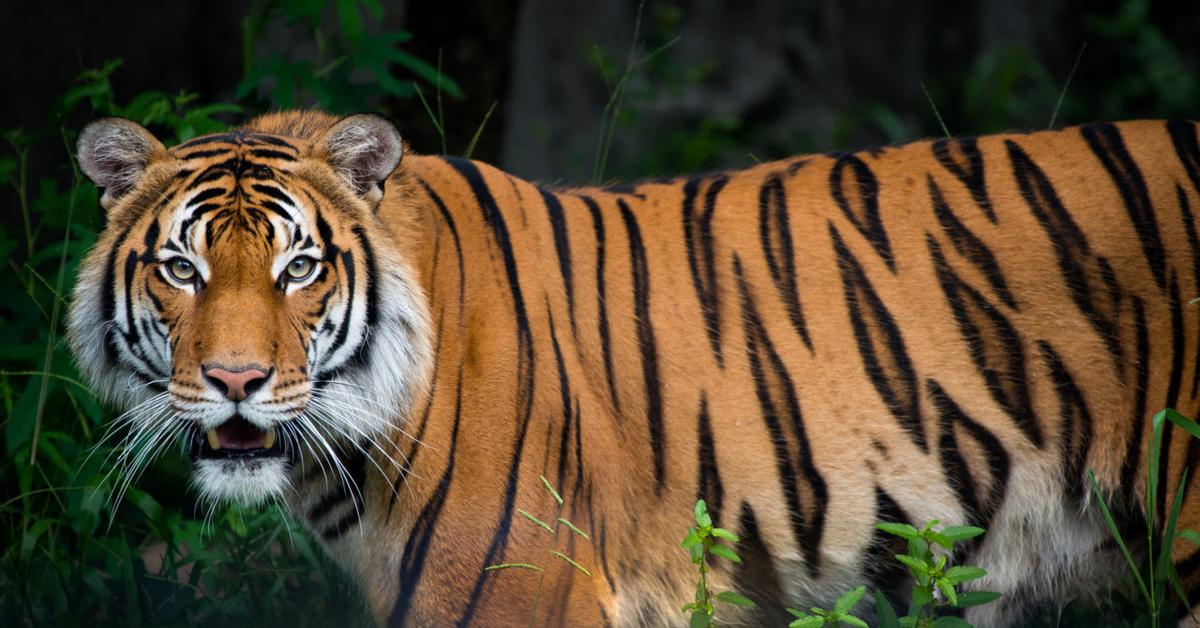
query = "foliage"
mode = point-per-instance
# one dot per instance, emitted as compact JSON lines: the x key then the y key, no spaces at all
{"x":703,"y":541}
{"x":355,"y":63}
{"x":73,"y":551}
{"x":936,"y":585}
{"x":836,"y":616}
{"x":1153,"y":577}
{"x":559,"y":522}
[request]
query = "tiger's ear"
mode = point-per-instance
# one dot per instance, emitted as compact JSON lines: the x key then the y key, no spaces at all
{"x":114,"y":153}
{"x":365,"y":149}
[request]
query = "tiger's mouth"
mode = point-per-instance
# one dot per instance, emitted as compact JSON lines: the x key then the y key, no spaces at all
{"x":236,"y":438}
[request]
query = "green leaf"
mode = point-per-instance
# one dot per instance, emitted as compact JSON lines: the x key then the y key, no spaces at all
{"x":725,"y":552}
{"x":964,"y":573}
{"x":545,"y":526}
{"x":796,"y":613}
{"x":572,"y":527}
{"x":810,"y":621}
{"x":885,"y":615}
{"x":847,"y":601}
{"x":733,"y":597}
{"x":917,"y":566}
{"x":691,"y":540}
{"x":947,"y":589}
{"x":854,"y":621}
{"x":1164,"y":556}
{"x":700,"y":619}
{"x":902,"y":530}
{"x":961,"y":533}
{"x":702,"y":517}
{"x":558,"y":498}
{"x":1116,"y":533}
{"x":967,"y":599}
{"x":512,"y":566}
{"x":725,"y":534}
{"x":570,"y":562}
{"x":1190,"y":426}
{"x":1190,"y":535}
{"x":921,"y":596}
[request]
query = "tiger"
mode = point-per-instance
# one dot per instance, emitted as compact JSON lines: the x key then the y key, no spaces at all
{"x":404,"y":350}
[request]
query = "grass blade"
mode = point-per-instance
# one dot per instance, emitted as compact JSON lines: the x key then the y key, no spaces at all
{"x":1112,"y":528}
{"x":571,"y":562}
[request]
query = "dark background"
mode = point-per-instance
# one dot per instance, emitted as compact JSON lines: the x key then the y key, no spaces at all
{"x":543,"y":88}
{"x":772,"y":78}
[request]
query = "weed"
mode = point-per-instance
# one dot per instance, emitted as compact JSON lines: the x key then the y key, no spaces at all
{"x":704,"y":540}
{"x":1159,"y":572}
{"x":559,"y":521}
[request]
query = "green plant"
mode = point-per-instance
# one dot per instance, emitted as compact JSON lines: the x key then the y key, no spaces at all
{"x":1159,"y":571}
{"x":702,"y":541}
{"x":836,"y":616}
{"x":354,"y":63}
{"x":559,"y":521}
{"x":936,"y":582}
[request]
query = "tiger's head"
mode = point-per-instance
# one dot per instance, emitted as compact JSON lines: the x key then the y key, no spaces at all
{"x":245,"y":295}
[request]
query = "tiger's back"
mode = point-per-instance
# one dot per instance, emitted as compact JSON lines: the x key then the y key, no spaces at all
{"x":953,"y":330}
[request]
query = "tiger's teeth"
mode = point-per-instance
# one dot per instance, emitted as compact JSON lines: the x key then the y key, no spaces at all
{"x":269,"y":440}
{"x":213,"y":441}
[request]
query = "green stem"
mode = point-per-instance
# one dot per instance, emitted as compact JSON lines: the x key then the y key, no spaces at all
{"x":537,"y":596}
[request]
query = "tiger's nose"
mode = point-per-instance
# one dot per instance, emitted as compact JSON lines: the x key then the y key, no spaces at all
{"x":235,"y":385}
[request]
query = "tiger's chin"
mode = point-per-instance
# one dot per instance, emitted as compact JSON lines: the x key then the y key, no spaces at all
{"x":237,"y":462}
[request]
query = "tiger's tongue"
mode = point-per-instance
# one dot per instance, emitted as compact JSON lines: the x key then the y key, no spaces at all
{"x":238,"y":433}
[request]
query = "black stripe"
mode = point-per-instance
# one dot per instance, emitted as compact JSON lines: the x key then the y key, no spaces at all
{"x":273,"y":192}
{"x":969,"y":246}
{"x":646,"y":345}
{"x":980,"y":491}
{"x":950,"y":152}
{"x":1189,"y":226}
{"x":343,"y":332}
{"x":756,"y":576}
{"x":1075,"y":422}
{"x":524,"y":368}
{"x":205,"y":154}
{"x":564,"y":390}
{"x":993,"y":342}
{"x":219,"y":138}
{"x":698,"y":237}
{"x":265,"y":153}
{"x":1089,"y":278}
{"x":881,"y":568}
{"x":880,"y":344}
{"x":362,"y":356}
{"x":1105,"y":141}
{"x":859,"y":201}
{"x":449,"y":220}
{"x":776,"y":237}
{"x":710,"y":488}
{"x":416,"y":548}
{"x":417,"y":439}
{"x":601,"y":301}
{"x":1141,"y":366}
{"x":1187,"y":148}
{"x":562,"y":248}
{"x":1173,"y":384}
{"x":780,"y":409}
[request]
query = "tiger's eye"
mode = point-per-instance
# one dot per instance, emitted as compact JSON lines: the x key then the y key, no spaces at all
{"x":300,"y":268}
{"x":181,"y":269}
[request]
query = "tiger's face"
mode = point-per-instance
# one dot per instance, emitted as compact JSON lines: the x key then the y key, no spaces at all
{"x":245,"y":297}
